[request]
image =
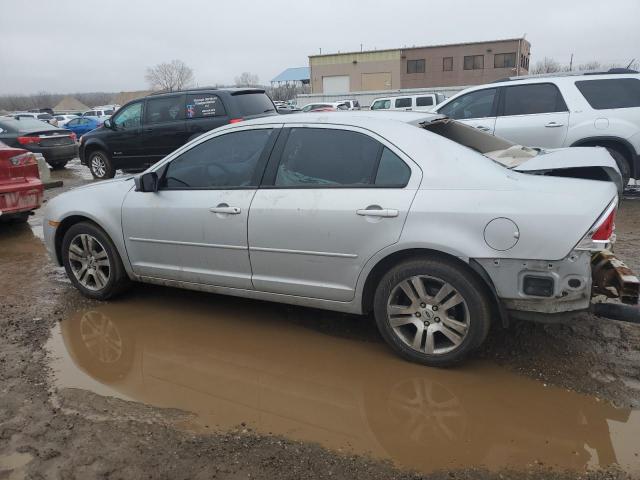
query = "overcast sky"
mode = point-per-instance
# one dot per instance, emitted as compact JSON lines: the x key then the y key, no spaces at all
{"x":105,"y":45}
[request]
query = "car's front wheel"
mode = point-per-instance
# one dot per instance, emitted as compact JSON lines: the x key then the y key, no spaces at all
{"x":100,"y":165}
{"x":92,"y":262}
{"x":432,"y":311}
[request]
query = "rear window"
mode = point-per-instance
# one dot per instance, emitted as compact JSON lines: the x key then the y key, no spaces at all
{"x":44,"y":116}
{"x":254,"y":103}
{"x":26,"y":124}
{"x":611,"y":93}
{"x":424,"y":101}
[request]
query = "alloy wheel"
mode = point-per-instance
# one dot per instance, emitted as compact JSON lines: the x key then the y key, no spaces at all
{"x":428,"y":314}
{"x":98,"y":166}
{"x":89,"y":262}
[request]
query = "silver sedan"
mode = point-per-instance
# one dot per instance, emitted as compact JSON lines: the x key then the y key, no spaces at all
{"x":435,"y":227}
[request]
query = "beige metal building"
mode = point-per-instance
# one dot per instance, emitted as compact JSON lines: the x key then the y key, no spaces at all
{"x":419,"y":67}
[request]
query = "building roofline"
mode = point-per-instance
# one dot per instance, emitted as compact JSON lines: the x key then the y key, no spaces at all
{"x":419,"y":47}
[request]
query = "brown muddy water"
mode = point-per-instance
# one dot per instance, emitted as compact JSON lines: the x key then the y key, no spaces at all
{"x":233,"y":361}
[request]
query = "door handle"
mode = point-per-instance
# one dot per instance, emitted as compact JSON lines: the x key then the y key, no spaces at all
{"x":224,"y":208}
{"x":554,"y":125}
{"x":147,"y":130}
{"x":378,"y":212}
{"x":483,"y":128}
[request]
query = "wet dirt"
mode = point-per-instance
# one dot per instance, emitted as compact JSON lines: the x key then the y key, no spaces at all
{"x":232,"y":362}
{"x":171,"y":384}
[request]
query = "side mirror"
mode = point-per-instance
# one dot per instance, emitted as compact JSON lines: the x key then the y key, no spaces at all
{"x":107,"y":123}
{"x":147,"y":182}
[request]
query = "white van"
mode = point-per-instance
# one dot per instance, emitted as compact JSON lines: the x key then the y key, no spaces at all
{"x":423,"y":102}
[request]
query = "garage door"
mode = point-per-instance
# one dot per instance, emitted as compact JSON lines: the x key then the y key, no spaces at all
{"x":376,"y":81}
{"x":336,"y":84}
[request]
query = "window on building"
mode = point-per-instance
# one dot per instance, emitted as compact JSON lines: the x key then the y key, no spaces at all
{"x":447,"y":64}
{"x":611,"y":93}
{"x":403,"y":102}
{"x":474,"y":62}
{"x":415,"y":66}
{"x":322,"y":157}
{"x":504,"y":60}
{"x":533,"y":98}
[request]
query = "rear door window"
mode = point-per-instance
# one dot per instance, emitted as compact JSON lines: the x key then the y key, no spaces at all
{"x":164,"y":109}
{"x":253,"y":103}
{"x":204,"y":106}
{"x":611,"y":92}
{"x":322,"y":157}
{"x":478,"y":104}
{"x":424,"y":101}
{"x":392,"y":171}
{"x":533,"y":98}
{"x":403,"y":102}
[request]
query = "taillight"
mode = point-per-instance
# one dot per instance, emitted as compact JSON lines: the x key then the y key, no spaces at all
{"x":601,"y":233}
{"x":24,"y":160}
{"x":236,"y":120}
{"x":605,"y":229}
{"x":73,"y":136}
{"x":28,"y":140}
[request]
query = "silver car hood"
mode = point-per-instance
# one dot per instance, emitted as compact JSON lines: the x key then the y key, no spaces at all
{"x":579,"y":162}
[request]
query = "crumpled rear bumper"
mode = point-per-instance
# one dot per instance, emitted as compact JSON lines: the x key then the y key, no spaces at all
{"x":613,"y":279}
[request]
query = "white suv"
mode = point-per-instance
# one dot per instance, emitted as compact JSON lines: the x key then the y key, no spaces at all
{"x":423,"y":102}
{"x":559,"y":111}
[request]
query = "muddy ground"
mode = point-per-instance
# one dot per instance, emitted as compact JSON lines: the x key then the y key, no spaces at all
{"x":50,"y":431}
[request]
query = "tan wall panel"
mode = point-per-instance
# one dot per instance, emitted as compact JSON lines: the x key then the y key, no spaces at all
{"x":375,"y":81}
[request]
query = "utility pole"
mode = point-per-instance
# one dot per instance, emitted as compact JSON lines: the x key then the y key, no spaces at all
{"x":571,"y":63}
{"x":361,"y":47}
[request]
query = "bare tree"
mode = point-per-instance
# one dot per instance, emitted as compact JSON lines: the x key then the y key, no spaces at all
{"x":590,"y":66}
{"x":247,"y":79}
{"x":548,"y":65}
{"x":171,"y":76}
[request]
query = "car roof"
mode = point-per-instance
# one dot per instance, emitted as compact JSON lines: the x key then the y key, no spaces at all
{"x":231,"y":90}
{"x":361,"y":118}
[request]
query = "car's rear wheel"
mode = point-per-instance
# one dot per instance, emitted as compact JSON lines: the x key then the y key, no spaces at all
{"x":100,"y":165}
{"x":432,"y":311}
{"x":92,"y":262}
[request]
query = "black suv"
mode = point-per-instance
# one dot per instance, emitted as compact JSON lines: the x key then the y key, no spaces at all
{"x":145,"y":130}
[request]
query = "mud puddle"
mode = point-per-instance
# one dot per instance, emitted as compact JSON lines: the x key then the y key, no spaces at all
{"x":232,"y":361}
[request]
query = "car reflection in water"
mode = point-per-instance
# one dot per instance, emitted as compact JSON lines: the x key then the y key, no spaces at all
{"x":232,"y":361}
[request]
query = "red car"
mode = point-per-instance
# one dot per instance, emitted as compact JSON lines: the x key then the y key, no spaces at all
{"x":21,"y":190}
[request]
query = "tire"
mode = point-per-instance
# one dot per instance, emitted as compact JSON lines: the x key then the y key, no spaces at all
{"x":421,"y":334}
{"x":92,"y":262}
{"x":623,"y":165}
{"x":100,"y":165}
{"x":58,"y":165}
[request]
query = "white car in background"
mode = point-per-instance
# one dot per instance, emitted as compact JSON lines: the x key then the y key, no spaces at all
{"x":560,"y":110}
{"x":101,"y":115}
{"x":63,"y":119}
{"x":435,"y":227}
{"x":423,"y":102}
